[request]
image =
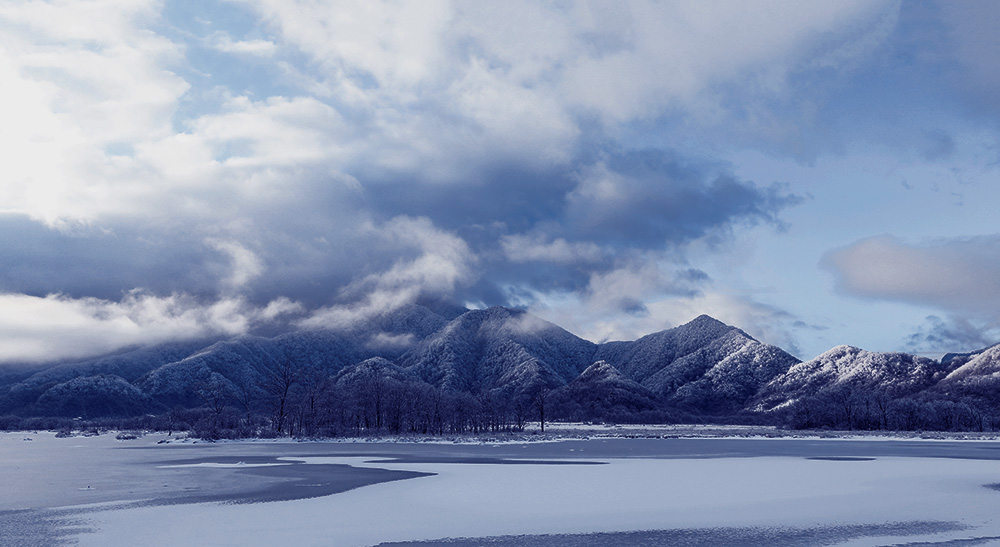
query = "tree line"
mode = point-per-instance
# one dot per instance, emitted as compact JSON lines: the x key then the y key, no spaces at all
{"x":372,"y":399}
{"x":305,"y":402}
{"x":848,"y":408}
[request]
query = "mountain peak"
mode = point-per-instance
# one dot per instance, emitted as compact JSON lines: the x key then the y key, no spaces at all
{"x":705,"y":326}
{"x":706,"y":320}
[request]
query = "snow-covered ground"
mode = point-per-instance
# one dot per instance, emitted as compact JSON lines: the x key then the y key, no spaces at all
{"x":929,"y":499}
{"x":579,"y":429}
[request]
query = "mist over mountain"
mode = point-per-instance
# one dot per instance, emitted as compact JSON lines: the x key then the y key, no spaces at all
{"x":432,"y":370}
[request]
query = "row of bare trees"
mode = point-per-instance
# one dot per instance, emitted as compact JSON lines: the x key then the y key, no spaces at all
{"x":289,"y":400}
{"x":858,"y":409}
{"x":286,"y":399}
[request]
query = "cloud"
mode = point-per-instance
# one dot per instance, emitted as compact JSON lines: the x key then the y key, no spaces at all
{"x":79,"y":78}
{"x":245,"y":264}
{"x":673,"y":53}
{"x":651,"y":197}
{"x":522,"y":80}
{"x":224,"y":42}
{"x":438,"y":263}
{"x":337,"y":161}
{"x":646,"y":297}
{"x":972,"y":24}
{"x":534,"y":248}
{"x":397,"y":44}
{"x":952,"y":334}
{"x":957,"y":275}
{"x":275,"y":132}
{"x":383,"y":341}
{"x":43,"y":329}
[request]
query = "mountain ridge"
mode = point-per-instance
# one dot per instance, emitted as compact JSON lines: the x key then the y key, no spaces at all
{"x":510,"y":360}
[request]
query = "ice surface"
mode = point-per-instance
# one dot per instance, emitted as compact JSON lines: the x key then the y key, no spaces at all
{"x":669,"y":486}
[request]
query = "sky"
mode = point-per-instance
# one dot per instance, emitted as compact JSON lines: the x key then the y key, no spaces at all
{"x":815,"y":173}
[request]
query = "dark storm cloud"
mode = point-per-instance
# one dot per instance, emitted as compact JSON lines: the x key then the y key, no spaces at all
{"x":103,"y":263}
{"x":650,"y":198}
{"x":495,"y":198}
{"x":551,"y":230}
{"x":543,"y":229}
{"x":645,"y":199}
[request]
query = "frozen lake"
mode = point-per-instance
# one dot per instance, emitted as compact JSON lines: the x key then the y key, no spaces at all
{"x":101,"y":491}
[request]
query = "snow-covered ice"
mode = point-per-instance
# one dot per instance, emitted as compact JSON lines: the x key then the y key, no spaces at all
{"x":544,"y":495}
{"x":464,"y":500}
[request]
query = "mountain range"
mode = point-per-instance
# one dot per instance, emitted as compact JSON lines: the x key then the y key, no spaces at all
{"x":704,"y":369}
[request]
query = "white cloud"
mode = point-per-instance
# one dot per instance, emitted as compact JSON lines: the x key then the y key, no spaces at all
{"x":511,"y":117}
{"x":94,"y":125}
{"x":79,"y":78}
{"x":384,"y":340}
{"x":399,"y":44}
{"x":536,"y":248}
{"x":245,"y":264}
{"x":59,"y":327}
{"x":89,"y":133}
{"x":275,"y":132}
{"x":279,"y":307}
{"x":442,"y":262}
{"x":224,"y":42}
{"x":958,"y":275}
{"x":448,"y":85}
{"x":613,"y":306}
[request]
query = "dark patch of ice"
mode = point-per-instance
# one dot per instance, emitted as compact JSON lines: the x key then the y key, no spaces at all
{"x":702,"y":537}
{"x":474,"y":460}
{"x":984,"y":540}
{"x":291,"y":481}
{"x":841,"y":459}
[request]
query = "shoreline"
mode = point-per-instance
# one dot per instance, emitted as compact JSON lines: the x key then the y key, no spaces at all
{"x":559,"y":431}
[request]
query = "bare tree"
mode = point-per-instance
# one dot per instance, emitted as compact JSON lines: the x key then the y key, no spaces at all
{"x":277,"y":385}
{"x":247,"y":394}
{"x":540,"y":396}
{"x":313,"y":386}
{"x":215,"y":393}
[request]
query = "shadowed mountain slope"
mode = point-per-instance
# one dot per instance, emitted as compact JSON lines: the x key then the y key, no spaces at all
{"x":499,"y":348}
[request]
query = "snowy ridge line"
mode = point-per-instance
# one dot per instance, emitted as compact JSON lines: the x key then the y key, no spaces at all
{"x":492,"y":370}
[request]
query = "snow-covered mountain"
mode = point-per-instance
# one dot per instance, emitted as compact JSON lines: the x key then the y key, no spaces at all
{"x":499,"y":348}
{"x":977,"y":377}
{"x":850,"y":371}
{"x":23,"y":393}
{"x":498,"y":356}
{"x":602,"y":392}
{"x":704,"y":365}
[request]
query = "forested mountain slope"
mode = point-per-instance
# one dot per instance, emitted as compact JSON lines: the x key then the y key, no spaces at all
{"x":502,"y":365}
